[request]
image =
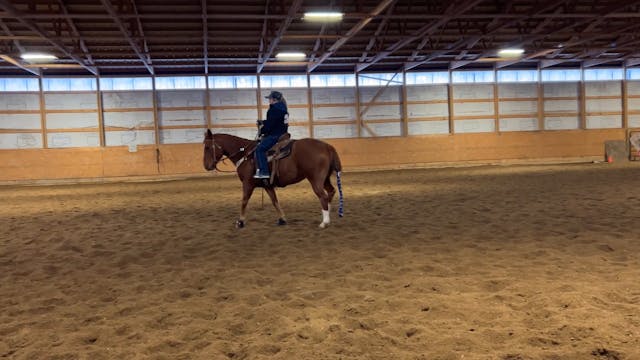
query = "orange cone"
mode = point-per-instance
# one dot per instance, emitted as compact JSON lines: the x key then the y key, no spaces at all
{"x":609,"y":159}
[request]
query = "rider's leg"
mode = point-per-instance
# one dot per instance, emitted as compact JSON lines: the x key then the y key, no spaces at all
{"x":261,"y":155}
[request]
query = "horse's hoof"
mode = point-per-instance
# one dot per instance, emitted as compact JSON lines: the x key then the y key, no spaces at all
{"x":239,"y":224}
{"x":323,"y":225}
{"x":282,"y":221}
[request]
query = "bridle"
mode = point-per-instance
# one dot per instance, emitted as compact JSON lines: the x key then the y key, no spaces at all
{"x":223,"y":157}
{"x":213,"y":152}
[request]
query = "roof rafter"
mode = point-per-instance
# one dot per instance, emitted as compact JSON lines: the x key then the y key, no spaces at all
{"x":75,"y":32}
{"x":7,"y":31}
{"x":320,"y":37}
{"x":140,"y":30}
{"x":492,"y":28}
{"x":16,"y":63}
{"x":354,"y":30}
{"x":293,"y":10}
{"x":114,"y":16}
{"x":381,"y":26}
{"x":263,"y":34}
{"x":596,"y":19}
{"x":451,"y":12}
{"x":205,"y":35}
{"x":18,"y":15}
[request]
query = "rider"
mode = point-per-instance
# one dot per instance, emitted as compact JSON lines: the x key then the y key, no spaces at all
{"x":276,"y":125}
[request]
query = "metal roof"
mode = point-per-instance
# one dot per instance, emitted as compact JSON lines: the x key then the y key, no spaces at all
{"x":142,"y":37}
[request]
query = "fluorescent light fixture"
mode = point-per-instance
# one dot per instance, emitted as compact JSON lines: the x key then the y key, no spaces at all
{"x":510,"y":52}
{"x":285,"y":56}
{"x":324,"y":16}
{"x":38,"y":57}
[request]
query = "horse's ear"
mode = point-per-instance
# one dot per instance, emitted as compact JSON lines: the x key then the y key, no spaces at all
{"x":208,"y":133}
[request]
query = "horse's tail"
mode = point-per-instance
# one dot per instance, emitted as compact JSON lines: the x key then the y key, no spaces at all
{"x":337,"y":166}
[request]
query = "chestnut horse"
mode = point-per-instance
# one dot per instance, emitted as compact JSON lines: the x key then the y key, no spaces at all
{"x":310,"y":159}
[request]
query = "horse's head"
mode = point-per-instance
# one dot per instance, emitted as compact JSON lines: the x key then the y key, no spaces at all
{"x":212,"y":151}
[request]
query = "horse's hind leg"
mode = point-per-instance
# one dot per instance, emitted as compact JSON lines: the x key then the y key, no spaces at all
{"x":274,"y":200}
{"x":247,"y":190}
{"x":318,"y":188}
{"x":331,"y":191}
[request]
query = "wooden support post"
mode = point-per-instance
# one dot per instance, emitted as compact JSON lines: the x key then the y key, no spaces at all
{"x":207,"y":101}
{"x":100,"y":109}
{"x":540,"y":106}
{"x":496,"y":104}
{"x":405,"y":108}
{"x":450,"y":104}
{"x":583,"y":101}
{"x":43,"y":116}
{"x":156,"y":122}
{"x":625,"y":102}
{"x":259,"y":98}
{"x":156,"y":125}
{"x":358,"y":119}
{"x":310,"y":105}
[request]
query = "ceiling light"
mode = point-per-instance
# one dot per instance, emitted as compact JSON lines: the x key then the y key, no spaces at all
{"x":323,"y":16}
{"x":510,"y":52}
{"x":38,"y":57}
{"x":285,"y":56}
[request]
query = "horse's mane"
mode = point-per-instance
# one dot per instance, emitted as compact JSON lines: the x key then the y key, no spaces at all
{"x":233,"y":138}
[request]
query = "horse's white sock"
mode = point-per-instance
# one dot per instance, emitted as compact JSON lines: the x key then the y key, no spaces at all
{"x":325,"y":216}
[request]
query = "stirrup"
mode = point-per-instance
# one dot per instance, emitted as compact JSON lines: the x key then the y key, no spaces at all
{"x":261,"y":176}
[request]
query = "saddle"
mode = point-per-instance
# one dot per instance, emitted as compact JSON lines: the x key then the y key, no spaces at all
{"x":281,"y":149}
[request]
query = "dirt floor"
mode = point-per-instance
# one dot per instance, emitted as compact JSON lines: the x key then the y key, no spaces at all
{"x":492,"y":262}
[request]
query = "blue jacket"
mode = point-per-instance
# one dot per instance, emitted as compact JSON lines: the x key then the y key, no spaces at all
{"x":277,"y":122}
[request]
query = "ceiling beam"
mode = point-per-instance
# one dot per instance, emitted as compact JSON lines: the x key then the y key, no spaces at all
{"x":575,"y":39}
{"x":351,"y":33}
{"x":114,"y":16}
{"x":16,"y":63}
{"x":249,"y":16}
{"x":495,"y":27}
{"x":263,"y":34}
{"x":16,"y":42}
{"x":632,"y":62}
{"x":145,"y":46}
{"x":467,"y":44}
{"x":75,"y":32}
{"x":319,"y":37}
{"x":381,"y":26}
{"x":18,"y":15}
{"x":293,"y":10}
{"x":450,"y":12}
{"x":550,"y":62}
{"x":205,"y":35}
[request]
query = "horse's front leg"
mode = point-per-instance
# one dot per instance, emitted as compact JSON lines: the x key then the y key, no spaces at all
{"x":247,"y":190}
{"x":274,"y":200}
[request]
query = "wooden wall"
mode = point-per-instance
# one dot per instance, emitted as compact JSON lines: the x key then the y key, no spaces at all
{"x":171,"y":159}
{"x":104,"y":134}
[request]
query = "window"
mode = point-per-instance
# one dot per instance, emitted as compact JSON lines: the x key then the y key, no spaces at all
{"x":333,"y":80}
{"x":419,"y":78}
{"x":603,"y":74}
{"x":518,"y":76}
{"x":138,"y":83}
{"x":181,"y":82}
{"x":380,"y":79}
{"x":472,"y":77}
{"x":633,"y":74}
{"x":561,"y":75}
{"x":282,"y":81}
{"x":69,"y":84}
{"x":19,"y":84}
{"x":233,"y":82}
